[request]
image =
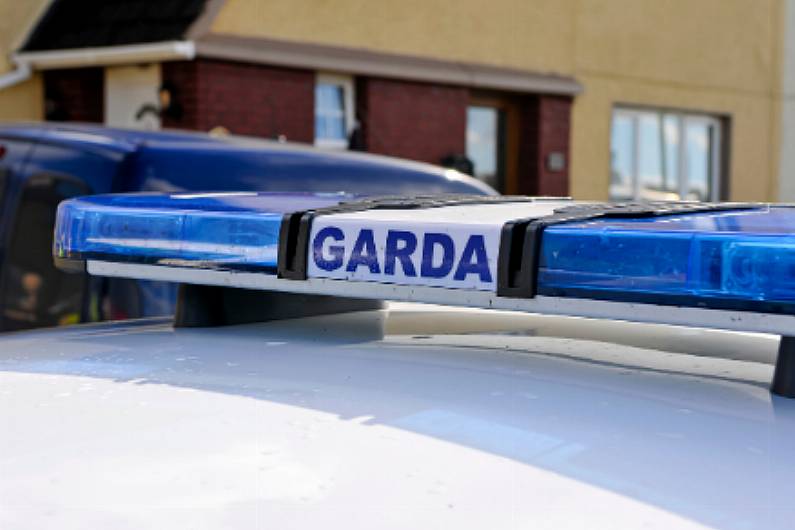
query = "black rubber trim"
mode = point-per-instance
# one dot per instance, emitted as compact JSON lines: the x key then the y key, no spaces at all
{"x":296,"y":226}
{"x":71,"y":265}
{"x":520,"y":240}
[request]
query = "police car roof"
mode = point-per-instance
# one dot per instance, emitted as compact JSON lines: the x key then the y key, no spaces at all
{"x":230,"y":155}
{"x":453,"y":419}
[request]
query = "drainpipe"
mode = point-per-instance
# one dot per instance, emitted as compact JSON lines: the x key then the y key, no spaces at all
{"x":20,"y":73}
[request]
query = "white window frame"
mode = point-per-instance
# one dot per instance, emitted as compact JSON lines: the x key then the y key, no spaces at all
{"x":346,"y":82}
{"x":683,"y":119}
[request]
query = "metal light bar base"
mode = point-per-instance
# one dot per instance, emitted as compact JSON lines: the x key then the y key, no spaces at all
{"x":783,"y":382}
{"x":210,"y":305}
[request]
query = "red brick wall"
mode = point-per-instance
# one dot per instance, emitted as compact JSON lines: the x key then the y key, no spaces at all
{"x":412,"y":120}
{"x":247,"y":99}
{"x":182,"y":78}
{"x":545,"y":129}
{"x":76,"y":94}
{"x":554,"y":129}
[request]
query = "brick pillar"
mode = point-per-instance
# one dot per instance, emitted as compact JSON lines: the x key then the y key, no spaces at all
{"x":545,"y":131}
{"x":418,"y":121}
{"x":75,"y":94}
{"x":247,"y":99}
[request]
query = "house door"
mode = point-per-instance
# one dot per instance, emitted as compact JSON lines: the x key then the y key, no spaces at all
{"x":492,"y":141}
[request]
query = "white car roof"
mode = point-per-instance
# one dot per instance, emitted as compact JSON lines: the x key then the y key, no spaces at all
{"x":452,"y":419}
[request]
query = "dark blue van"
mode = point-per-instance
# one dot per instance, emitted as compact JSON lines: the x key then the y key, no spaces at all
{"x":43,"y":164}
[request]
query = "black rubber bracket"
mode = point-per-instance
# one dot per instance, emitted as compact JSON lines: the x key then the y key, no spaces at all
{"x":784,"y":376}
{"x":520,"y":240}
{"x":294,"y":245}
{"x":296,"y":226}
{"x":209,"y":306}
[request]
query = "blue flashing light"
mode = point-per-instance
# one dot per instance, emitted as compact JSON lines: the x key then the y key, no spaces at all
{"x":715,"y":259}
{"x":234,"y":230}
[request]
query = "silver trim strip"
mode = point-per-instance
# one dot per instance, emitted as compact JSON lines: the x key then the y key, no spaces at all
{"x":631,"y":312}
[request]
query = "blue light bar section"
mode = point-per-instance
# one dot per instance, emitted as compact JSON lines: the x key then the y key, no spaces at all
{"x":228,"y":230}
{"x":741,"y":259}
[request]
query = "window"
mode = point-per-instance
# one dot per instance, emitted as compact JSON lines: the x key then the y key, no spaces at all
{"x":35,"y":293}
{"x":483,"y":143}
{"x":334,"y":113}
{"x":661,"y":155}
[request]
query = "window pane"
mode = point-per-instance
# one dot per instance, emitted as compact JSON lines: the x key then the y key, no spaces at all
{"x":330,"y":97}
{"x":330,"y":128}
{"x":670,"y":161}
{"x":622,"y":154}
{"x":483,"y":141}
{"x":650,"y":158}
{"x":698,"y":136}
{"x":330,"y":112}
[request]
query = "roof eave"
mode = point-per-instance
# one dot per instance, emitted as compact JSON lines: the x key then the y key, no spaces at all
{"x":108,"y":55}
{"x":359,"y":61}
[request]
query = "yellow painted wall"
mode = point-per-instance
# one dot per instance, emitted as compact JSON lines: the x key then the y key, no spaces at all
{"x":23,"y":101}
{"x":528,"y":34}
{"x":715,"y":56}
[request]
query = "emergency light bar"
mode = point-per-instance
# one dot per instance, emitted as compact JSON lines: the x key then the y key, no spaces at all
{"x":726,"y":266}
{"x":238,"y":230}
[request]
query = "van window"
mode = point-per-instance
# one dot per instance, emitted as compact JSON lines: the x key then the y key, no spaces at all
{"x":35,"y":292}
{"x":3,"y":181}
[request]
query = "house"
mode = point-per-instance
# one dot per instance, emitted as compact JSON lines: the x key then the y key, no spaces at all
{"x":599,"y":99}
